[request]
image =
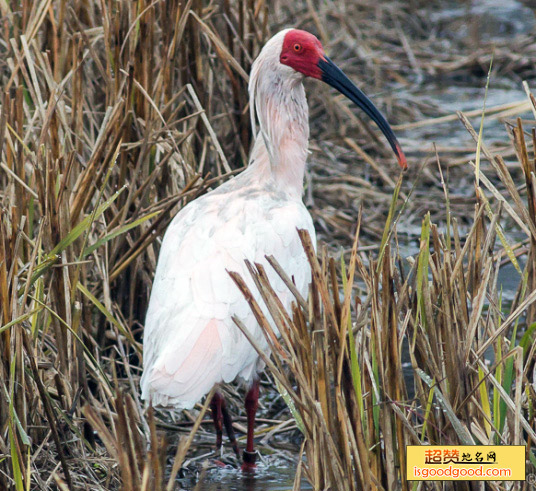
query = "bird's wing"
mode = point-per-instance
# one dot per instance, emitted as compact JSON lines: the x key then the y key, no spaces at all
{"x":190,"y":340}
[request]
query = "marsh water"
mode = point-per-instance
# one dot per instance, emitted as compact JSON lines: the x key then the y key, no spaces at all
{"x":276,"y":475}
{"x":493,"y":20}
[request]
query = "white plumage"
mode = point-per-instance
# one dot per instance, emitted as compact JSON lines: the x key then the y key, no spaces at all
{"x":190,"y":340}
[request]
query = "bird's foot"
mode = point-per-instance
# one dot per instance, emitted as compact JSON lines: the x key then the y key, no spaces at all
{"x":249,"y":459}
{"x":218,"y":449}
{"x":221,"y":457}
{"x":236,"y":449}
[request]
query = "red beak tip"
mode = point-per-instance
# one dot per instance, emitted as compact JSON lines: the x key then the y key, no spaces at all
{"x":401,"y":158}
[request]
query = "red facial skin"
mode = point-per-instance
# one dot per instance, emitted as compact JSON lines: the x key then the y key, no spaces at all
{"x":302,"y":51}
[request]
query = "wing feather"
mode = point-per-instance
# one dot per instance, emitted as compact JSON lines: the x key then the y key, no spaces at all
{"x":190,"y":340}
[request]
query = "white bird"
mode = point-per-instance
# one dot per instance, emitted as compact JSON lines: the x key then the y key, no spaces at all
{"x":190,"y":342}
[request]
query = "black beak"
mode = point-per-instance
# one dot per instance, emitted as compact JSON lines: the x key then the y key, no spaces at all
{"x":334,"y":76}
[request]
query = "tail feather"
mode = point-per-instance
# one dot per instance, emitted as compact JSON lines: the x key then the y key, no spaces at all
{"x":193,"y":379}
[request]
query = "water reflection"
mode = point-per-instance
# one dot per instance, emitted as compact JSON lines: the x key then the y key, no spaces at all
{"x":274,"y":475}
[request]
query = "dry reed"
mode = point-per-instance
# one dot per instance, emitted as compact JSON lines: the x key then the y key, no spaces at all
{"x":115,"y":114}
{"x":470,"y":356}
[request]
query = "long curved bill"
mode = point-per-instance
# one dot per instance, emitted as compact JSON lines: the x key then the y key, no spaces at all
{"x":334,"y":76}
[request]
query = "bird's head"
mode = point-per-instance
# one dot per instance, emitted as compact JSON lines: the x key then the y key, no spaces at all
{"x":303,"y":52}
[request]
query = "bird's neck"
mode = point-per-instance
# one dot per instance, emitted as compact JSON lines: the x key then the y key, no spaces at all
{"x":280,"y":151}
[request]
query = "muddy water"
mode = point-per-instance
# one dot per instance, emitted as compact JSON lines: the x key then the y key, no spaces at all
{"x":496,"y":19}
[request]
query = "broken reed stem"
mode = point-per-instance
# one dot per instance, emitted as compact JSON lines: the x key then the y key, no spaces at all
{"x":449,"y":310}
{"x":99,"y":148}
{"x":101,"y":143}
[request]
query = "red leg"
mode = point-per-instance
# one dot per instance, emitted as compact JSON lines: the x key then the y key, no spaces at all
{"x":252,"y":402}
{"x":217,"y":416}
{"x":221,"y":418}
{"x":228,"y":422}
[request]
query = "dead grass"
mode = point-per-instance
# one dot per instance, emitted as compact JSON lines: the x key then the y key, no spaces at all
{"x":105,"y":131}
{"x":470,"y":358}
{"x":115,"y":114}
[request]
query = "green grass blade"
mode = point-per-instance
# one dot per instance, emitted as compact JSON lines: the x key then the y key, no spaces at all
{"x":462,"y":432}
{"x":484,"y":397}
{"x":290,"y":403}
{"x":387,"y":229}
{"x":108,"y":316}
{"x":428,"y":410}
{"x":422,"y":268}
{"x":119,"y":231}
{"x":79,"y":229}
{"x":354,"y":362}
{"x":20,"y":319}
{"x":52,"y":257}
{"x":15,"y":464}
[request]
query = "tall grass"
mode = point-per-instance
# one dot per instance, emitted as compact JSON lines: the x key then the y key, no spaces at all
{"x":114,"y":115}
{"x":469,"y":376}
{"x":105,"y":131}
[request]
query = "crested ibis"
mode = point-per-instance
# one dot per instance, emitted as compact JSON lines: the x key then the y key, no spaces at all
{"x":190,"y":341}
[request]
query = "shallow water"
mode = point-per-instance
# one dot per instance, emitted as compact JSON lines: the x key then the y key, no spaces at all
{"x":266,"y":479}
{"x":271,"y":475}
{"x":477,"y":22}
{"x":496,"y":19}
{"x":449,"y":99}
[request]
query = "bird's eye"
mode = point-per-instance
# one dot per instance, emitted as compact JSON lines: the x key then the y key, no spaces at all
{"x":297,"y":47}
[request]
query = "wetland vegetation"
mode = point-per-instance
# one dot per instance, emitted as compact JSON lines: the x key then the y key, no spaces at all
{"x":420,"y":324}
